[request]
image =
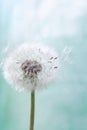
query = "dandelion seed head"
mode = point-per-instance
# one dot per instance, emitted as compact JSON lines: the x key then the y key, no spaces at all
{"x":31,"y":67}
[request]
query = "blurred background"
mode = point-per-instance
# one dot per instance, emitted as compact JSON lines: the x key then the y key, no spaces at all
{"x":60,"y":24}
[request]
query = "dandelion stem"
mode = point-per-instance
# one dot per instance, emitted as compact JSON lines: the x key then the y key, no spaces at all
{"x":32,"y":110}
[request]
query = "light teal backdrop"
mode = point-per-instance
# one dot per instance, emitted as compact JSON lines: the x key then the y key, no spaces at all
{"x":57,"y":23}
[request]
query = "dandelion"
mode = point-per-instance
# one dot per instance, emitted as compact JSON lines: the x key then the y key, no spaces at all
{"x":31,"y":67}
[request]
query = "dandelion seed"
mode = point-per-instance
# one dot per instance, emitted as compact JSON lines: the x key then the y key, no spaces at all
{"x":55,"y":58}
{"x":51,"y":58}
{"x":55,"y":67}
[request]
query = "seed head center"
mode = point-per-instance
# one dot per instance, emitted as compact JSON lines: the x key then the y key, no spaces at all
{"x":31,"y":67}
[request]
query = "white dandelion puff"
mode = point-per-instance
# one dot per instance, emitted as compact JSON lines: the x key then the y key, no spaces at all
{"x":31,"y":67}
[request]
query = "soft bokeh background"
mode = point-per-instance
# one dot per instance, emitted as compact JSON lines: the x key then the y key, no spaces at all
{"x":57,"y":23}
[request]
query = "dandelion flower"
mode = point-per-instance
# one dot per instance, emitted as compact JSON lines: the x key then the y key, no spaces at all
{"x":30,"y":67}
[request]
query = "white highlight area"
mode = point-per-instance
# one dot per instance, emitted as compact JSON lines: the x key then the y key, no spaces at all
{"x":46,"y":18}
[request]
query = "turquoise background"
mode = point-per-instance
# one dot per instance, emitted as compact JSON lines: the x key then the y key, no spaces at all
{"x":63,"y":105}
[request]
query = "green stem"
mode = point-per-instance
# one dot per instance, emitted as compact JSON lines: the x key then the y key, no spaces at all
{"x":32,"y":110}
